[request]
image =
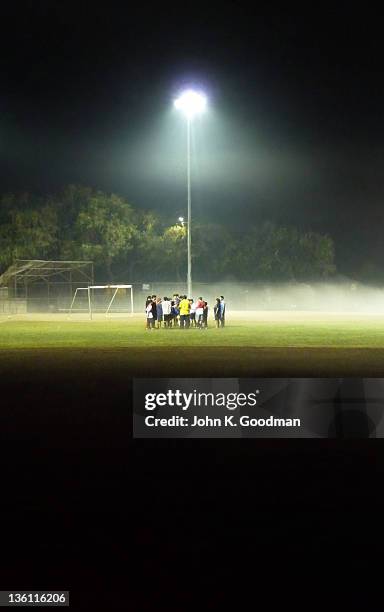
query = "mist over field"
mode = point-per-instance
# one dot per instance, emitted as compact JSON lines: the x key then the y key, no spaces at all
{"x":327,"y":297}
{"x":338,"y":297}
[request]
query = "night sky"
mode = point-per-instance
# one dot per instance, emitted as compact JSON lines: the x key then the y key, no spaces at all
{"x":293,"y":134}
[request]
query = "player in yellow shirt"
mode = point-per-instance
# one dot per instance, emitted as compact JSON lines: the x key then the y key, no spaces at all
{"x":185,"y":309}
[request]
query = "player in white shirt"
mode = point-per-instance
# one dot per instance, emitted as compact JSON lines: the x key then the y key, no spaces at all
{"x":192,"y":314}
{"x":167,"y":308}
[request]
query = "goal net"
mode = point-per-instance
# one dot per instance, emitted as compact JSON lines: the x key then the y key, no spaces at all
{"x":106,"y":299}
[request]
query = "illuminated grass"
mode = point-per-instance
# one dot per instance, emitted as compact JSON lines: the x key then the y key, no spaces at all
{"x":270,"y":344}
{"x":354,"y":333}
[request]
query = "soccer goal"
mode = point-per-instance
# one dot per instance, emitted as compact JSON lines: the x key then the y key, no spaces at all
{"x":102,"y":298}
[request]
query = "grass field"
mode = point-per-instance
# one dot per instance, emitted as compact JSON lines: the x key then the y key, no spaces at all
{"x":264,"y":343}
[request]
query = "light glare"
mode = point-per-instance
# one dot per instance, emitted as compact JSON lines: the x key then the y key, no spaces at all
{"x":191,"y":103}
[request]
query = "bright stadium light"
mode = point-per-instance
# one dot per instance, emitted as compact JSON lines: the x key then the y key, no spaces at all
{"x":191,"y":103}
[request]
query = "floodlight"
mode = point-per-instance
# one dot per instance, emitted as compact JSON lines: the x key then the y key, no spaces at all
{"x":191,"y":103}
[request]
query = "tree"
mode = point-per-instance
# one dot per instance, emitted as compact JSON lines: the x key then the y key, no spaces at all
{"x":174,"y":242}
{"x":146,"y":256}
{"x":103,"y":229}
{"x":213,"y":250}
{"x":317,"y":256}
{"x":269,"y":252}
{"x":28,"y":234}
{"x":80,"y":223}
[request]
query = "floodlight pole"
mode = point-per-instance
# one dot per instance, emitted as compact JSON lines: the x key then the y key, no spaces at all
{"x":189,"y":245}
{"x":191,"y":102}
{"x":89,"y":303}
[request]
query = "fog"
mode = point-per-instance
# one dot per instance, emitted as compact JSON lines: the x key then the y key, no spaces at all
{"x":338,"y":297}
{"x":324,"y":297}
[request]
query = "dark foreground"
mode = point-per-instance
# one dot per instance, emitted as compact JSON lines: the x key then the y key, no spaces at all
{"x":145,"y":524}
{"x":123,"y":363}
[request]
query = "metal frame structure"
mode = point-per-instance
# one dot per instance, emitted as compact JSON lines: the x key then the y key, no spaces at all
{"x":89,"y":289}
{"x":25,"y":272}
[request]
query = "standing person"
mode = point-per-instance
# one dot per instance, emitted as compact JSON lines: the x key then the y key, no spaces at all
{"x":159,"y":312}
{"x":205,"y":315}
{"x":192,"y":314}
{"x":154,"y":309}
{"x":149,"y":315}
{"x":175,"y":313}
{"x":222,"y":310}
{"x":172,"y":318}
{"x":148,"y":311}
{"x":217,"y":312}
{"x":167,"y":311}
{"x":176,"y":302}
{"x":200,"y":312}
{"x":185,"y":307}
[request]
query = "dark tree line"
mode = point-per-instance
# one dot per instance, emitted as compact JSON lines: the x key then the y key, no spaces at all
{"x":128,"y":244}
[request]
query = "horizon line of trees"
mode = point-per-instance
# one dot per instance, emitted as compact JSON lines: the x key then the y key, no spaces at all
{"x":135,"y":245}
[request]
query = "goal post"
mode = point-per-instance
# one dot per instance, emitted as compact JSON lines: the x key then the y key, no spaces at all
{"x":90,"y":294}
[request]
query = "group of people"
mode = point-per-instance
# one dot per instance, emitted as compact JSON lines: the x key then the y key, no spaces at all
{"x":181,"y":311}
